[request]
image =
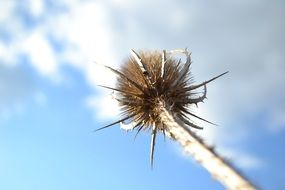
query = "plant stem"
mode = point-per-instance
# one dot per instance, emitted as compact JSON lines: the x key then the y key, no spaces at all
{"x":203,"y":154}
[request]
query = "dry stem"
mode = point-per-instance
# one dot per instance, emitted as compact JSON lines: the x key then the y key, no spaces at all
{"x":203,"y":154}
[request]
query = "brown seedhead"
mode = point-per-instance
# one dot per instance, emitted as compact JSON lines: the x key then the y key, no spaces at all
{"x":150,"y":81}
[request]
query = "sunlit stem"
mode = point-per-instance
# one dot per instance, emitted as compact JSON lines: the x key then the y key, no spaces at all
{"x":203,"y":154}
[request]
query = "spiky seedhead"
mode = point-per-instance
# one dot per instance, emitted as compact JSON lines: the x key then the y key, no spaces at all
{"x":150,"y":81}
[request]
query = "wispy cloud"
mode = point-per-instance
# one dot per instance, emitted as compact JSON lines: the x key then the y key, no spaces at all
{"x":83,"y":30}
{"x":36,"y":8}
{"x":42,"y":56}
{"x":103,"y":106}
{"x":6,"y":10}
{"x":242,"y":159}
{"x":16,"y":86}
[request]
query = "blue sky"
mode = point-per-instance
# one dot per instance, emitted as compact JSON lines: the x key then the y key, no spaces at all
{"x":50,"y":102}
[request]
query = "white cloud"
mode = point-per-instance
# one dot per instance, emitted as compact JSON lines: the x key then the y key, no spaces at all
{"x":104,"y":106}
{"x":6,"y":54}
{"x":36,"y":7}
{"x":98,"y":74}
{"x":241,"y":159}
{"x":84,"y":29}
{"x":37,"y":47}
{"x":6,"y":8}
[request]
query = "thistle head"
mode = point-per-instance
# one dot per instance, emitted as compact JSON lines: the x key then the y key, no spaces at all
{"x":151,"y":81}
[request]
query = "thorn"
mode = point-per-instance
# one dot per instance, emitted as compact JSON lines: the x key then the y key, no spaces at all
{"x":128,"y":117}
{"x":152,"y":145}
{"x":206,"y":82}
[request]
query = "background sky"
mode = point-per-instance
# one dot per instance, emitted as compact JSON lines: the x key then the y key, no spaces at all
{"x":50,"y":102}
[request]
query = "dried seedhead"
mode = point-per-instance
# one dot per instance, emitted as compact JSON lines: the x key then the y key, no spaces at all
{"x":150,"y":81}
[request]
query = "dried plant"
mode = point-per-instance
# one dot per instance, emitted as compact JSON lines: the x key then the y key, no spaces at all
{"x":155,"y":91}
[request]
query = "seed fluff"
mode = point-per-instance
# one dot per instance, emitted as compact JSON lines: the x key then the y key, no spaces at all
{"x":150,"y":81}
